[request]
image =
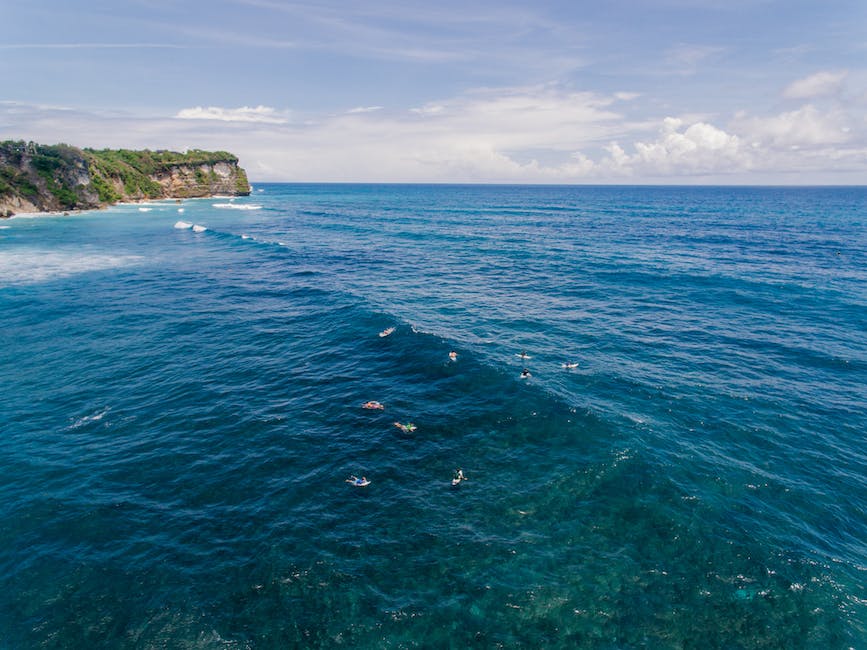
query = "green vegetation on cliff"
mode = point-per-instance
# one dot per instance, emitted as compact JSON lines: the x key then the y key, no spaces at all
{"x":137,"y":169}
{"x":61,"y":177}
{"x":27,"y":168}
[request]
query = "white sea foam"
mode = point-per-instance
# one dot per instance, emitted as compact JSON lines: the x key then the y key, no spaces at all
{"x":43,"y":215}
{"x":237,"y":206}
{"x":29,"y":266}
{"x":93,"y":417}
{"x":180,"y":209}
{"x":145,"y":209}
{"x":198,"y":228}
{"x":183,"y":225}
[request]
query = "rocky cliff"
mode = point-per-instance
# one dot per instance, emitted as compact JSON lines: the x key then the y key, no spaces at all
{"x":36,"y":178}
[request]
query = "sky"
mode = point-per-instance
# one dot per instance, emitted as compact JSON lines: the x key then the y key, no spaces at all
{"x":764,"y":92}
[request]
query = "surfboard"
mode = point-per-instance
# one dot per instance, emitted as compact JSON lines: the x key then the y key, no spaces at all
{"x":358,"y":482}
{"x":570,"y":365}
{"x":386,"y":332}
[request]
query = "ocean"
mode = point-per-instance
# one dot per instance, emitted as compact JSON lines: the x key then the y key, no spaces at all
{"x":182,"y":407}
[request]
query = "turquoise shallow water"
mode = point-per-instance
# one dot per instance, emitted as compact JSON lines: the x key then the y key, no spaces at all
{"x":181,"y":408}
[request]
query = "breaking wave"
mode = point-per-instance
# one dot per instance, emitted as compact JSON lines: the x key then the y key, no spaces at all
{"x":237,"y":206}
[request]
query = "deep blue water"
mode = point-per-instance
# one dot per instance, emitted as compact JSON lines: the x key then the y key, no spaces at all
{"x":181,"y":409}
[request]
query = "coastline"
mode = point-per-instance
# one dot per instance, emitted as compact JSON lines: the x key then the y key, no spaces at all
{"x":32,"y":214}
{"x":62,"y":179}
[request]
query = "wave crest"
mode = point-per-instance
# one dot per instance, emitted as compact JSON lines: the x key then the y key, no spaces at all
{"x":237,"y":206}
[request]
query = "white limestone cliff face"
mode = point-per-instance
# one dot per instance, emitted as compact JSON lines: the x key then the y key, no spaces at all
{"x":200,"y":180}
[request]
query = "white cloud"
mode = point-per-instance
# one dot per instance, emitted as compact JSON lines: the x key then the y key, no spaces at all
{"x":429,"y":109}
{"x":364,"y":109}
{"x":261,"y":114}
{"x":804,"y":127}
{"x":700,"y":148}
{"x":545,"y":134}
{"x":539,"y":117}
{"x":816,"y":85}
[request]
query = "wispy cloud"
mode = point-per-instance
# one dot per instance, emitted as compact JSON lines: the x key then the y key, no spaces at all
{"x":820,"y":84}
{"x":91,"y":46}
{"x":206,"y":36}
{"x":686,"y":58}
{"x":508,"y":37}
{"x":260,"y":114}
{"x":364,"y":109}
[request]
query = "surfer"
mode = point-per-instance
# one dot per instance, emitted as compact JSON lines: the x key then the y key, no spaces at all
{"x":570,"y":365}
{"x":453,"y":355}
{"x":373,"y":404}
{"x":354,"y":480}
{"x":409,"y":427}
{"x":458,"y":476}
{"x":525,"y":374}
{"x":524,"y":354}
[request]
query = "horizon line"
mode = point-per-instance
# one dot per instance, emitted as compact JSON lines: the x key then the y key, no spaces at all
{"x":519,"y":184}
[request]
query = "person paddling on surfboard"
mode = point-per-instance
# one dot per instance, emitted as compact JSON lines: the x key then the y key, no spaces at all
{"x":458,"y":476}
